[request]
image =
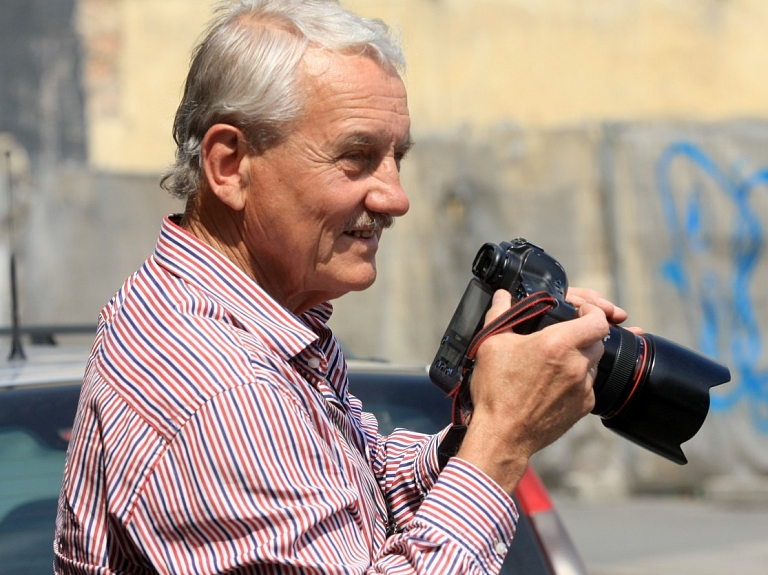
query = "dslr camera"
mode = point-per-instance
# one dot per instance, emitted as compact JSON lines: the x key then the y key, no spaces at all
{"x":648,"y":389}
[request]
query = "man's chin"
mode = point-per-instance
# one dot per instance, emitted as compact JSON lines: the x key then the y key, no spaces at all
{"x":364,"y":287}
{"x":364,"y":283}
{"x":348,"y":275}
{"x":359,"y":283}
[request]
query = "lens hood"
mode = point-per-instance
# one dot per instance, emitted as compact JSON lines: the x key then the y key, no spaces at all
{"x":671,"y":401}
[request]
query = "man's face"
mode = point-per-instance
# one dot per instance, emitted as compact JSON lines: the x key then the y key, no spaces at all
{"x":314,"y":197}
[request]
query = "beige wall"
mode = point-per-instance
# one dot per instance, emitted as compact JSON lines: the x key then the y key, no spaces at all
{"x":136,"y":56}
{"x":561,"y":62}
{"x":471,"y":62}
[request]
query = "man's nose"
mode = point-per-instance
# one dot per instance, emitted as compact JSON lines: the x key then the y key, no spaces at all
{"x":388,"y":195}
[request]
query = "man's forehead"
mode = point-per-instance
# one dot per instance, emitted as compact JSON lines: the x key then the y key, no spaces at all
{"x":366,"y":101}
{"x":362,"y":74}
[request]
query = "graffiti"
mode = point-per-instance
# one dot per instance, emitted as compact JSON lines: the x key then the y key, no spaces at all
{"x":727,"y":311}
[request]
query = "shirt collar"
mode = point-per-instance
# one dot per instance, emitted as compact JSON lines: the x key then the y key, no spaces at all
{"x":197,"y":263}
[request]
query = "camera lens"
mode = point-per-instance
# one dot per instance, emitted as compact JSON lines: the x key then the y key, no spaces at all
{"x":653,"y":391}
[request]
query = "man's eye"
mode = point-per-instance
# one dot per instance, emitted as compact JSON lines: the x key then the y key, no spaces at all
{"x":357,"y":156}
{"x":357,"y":160}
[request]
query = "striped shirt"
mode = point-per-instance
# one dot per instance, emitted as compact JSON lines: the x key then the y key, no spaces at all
{"x":215,"y":433}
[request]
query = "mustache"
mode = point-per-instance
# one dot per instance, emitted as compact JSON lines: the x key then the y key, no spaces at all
{"x":368,"y":220}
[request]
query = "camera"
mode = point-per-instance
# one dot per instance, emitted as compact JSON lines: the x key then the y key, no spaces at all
{"x":648,"y":389}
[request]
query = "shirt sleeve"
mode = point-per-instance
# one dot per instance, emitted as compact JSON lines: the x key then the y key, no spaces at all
{"x":459,"y":511}
{"x":252,"y":484}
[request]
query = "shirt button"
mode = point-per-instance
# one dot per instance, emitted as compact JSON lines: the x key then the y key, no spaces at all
{"x":313,"y":362}
{"x":501,"y":548}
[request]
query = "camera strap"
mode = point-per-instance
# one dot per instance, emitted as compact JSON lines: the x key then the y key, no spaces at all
{"x":522,"y":311}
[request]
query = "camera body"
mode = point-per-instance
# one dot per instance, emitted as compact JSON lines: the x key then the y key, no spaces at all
{"x":648,"y":389}
{"x":521,"y":268}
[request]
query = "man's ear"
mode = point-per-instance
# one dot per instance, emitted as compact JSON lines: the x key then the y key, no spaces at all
{"x":225,"y":160}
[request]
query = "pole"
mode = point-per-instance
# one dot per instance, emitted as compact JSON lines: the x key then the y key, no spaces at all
{"x":17,"y":351}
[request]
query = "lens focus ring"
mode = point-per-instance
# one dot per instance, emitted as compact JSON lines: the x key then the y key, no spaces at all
{"x":619,"y":373}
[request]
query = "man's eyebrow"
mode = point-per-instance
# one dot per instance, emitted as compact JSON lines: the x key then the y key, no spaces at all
{"x":363,"y":139}
{"x":369,"y":139}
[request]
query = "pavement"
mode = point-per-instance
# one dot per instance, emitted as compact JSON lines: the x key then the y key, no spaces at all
{"x":669,"y":535}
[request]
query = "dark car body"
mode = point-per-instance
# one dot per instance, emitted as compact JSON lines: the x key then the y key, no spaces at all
{"x":38,"y":401}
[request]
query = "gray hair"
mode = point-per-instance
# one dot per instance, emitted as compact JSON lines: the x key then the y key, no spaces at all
{"x":245,"y":73}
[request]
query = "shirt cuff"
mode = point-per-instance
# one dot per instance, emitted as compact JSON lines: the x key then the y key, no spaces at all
{"x":470,"y":508}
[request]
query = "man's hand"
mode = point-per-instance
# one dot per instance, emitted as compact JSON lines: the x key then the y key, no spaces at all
{"x":527,"y":390}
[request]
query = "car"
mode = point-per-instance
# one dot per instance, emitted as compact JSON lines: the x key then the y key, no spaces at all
{"x":38,"y":400}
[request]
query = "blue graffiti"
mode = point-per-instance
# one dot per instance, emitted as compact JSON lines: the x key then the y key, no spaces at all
{"x":727,"y":312}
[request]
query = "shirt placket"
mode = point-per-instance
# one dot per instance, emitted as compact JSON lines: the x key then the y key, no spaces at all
{"x":374,"y":509}
{"x":380,"y":519}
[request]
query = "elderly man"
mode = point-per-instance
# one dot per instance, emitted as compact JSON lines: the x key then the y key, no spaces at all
{"x":215,"y":431}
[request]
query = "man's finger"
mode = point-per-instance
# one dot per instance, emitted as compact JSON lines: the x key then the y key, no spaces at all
{"x":501,"y":302}
{"x":591,"y":326}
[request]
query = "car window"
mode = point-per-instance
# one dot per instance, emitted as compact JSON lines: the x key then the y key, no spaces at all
{"x":30,"y":475}
{"x":29,"y":470}
{"x":407,"y":401}
{"x":35,"y":424}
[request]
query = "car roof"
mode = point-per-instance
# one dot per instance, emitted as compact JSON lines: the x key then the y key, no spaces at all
{"x":44,"y":355}
{"x":43,"y":365}
{"x":356,"y":365}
